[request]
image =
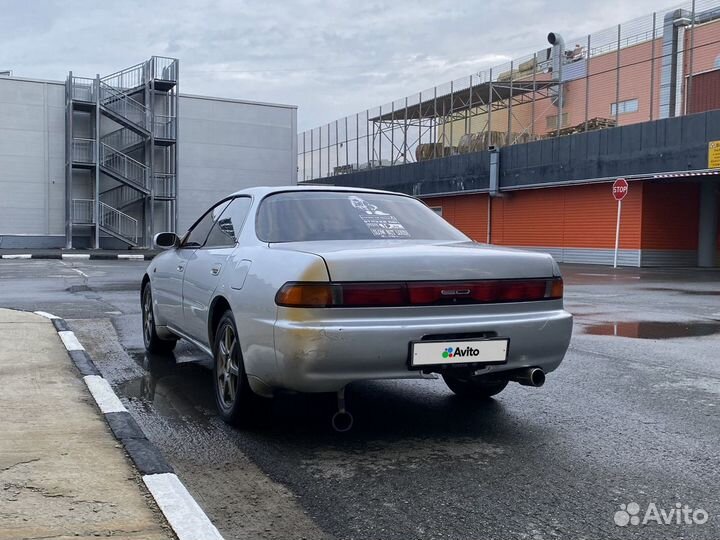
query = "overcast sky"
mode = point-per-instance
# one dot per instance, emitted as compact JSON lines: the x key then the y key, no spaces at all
{"x":329,"y":58}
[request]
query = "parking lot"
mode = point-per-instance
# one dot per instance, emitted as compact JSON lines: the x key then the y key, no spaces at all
{"x":631,"y":416}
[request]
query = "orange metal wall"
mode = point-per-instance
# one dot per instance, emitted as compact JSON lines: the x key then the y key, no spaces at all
{"x":670,"y":215}
{"x":578,"y":216}
{"x":571,"y":217}
{"x":655,"y":215}
{"x":466,"y":212}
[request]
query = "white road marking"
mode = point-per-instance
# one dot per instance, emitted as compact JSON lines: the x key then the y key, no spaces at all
{"x":133,"y":256}
{"x":83,"y":274}
{"x":103,"y":394}
{"x":46,"y":315}
{"x":75,"y":255}
{"x":19,"y":256}
{"x":70,"y":341}
{"x":180,"y":509}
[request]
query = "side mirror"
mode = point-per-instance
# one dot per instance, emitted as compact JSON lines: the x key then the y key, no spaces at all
{"x":166,"y":240}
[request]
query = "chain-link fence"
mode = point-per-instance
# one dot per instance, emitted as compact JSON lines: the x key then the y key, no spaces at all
{"x":662,"y":65}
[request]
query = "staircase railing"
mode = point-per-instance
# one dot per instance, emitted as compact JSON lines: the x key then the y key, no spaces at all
{"x":123,"y":165}
{"x":83,"y":150}
{"x":120,"y":196}
{"x":119,"y":222}
{"x":126,"y":79}
{"x":163,"y":68}
{"x":122,"y":139}
{"x":83,"y":211}
{"x":83,"y":89}
{"x":164,"y":127}
{"x":124,"y":105}
{"x":164,"y":185}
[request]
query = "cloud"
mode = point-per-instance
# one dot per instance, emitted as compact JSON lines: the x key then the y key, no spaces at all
{"x":331,"y":58}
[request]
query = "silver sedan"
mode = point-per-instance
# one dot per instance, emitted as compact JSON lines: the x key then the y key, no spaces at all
{"x":309,"y":289}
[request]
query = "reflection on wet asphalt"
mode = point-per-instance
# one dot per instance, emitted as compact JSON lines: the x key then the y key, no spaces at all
{"x":654,"y":329}
{"x":622,"y":420}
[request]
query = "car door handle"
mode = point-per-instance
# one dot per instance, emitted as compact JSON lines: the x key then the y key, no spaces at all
{"x":180,"y":267}
{"x":215,"y":270}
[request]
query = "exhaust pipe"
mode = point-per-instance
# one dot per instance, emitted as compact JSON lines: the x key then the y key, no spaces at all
{"x":342,"y":420}
{"x":533,"y":376}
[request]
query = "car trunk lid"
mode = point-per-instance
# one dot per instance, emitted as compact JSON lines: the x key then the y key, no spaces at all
{"x":417,"y":260}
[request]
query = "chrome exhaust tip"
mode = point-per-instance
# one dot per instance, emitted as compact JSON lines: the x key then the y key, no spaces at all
{"x":342,"y":421}
{"x":533,"y":376}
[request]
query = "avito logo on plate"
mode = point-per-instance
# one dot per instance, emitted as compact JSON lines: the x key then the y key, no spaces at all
{"x":467,"y":351}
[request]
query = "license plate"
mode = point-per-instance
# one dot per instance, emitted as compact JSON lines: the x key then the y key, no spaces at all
{"x":478,"y":351}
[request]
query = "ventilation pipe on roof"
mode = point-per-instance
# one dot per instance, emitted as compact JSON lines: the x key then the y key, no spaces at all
{"x":673,"y":45}
{"x":494,"y":170}
{"x":674,"y":25}
{"x":557,"y":56}
{"x":558,"y":51}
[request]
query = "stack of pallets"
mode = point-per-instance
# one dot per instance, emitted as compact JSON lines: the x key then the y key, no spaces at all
{"x":592,"y":125}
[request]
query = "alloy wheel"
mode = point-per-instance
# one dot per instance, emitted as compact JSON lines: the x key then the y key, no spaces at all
{"x":148,"y":316}
{"x":228,"y":372}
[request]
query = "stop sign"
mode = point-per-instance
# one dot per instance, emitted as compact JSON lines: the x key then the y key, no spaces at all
{"x":620,"y":189}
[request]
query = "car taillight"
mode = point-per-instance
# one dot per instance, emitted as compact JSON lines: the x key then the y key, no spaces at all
{"x":305,"y":295}
{"x":389,"y":294}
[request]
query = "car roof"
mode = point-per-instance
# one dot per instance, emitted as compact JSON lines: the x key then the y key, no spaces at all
{"x":267,"y":190}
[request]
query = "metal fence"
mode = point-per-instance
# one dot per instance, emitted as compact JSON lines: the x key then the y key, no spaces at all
{"x":661,"y":65}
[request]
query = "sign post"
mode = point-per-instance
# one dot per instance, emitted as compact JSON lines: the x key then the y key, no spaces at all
{"x":619,"y":190}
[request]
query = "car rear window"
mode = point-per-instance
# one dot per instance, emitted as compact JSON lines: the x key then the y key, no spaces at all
{"x":304,"y":216}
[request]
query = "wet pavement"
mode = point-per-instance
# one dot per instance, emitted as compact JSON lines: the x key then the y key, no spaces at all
{"x":631,"y":416}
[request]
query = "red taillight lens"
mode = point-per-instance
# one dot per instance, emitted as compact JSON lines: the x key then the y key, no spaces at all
{"x":360,"y":294}
{"x":373,"y":294}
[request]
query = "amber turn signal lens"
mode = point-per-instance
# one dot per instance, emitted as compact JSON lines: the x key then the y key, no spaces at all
{"x":305,"y":295}
{"x":557,"y":288}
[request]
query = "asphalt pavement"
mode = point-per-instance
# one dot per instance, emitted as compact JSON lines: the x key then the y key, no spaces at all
{"x":630,"y":417}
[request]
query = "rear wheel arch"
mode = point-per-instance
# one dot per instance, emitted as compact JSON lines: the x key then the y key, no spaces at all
{"x":145,"y":281}
{"x":217,"y":309}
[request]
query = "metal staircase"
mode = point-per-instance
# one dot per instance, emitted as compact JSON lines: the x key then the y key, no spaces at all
{"x":131,"y":166}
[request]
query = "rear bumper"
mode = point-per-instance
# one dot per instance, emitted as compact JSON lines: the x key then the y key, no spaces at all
{"x":324,"y":354}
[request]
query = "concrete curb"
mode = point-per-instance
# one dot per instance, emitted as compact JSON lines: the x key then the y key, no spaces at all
{"x":181,"y":510}
{"x":82,"y":256}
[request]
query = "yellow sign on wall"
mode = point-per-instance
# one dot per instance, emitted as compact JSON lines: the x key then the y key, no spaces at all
{"x":714,"y":155}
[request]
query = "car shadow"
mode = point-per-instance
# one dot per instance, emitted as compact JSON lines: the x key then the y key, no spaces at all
{"x":179,"y":388}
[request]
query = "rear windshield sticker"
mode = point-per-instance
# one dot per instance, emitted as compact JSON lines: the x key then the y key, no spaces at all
{"x":381,"y":224}
{"x":366,"y":207}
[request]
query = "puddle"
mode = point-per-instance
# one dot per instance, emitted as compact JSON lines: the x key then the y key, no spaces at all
{"x":654,"y":329}
{"x":78,"y":288}
{"x":174,"y":387}
{"x":689,"y":292}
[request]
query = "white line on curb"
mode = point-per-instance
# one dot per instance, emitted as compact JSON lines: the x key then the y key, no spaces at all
{"x":133,"y":256}
{"x":182,"y":512}
{"x":103,"y":394}
{"x":178,"y":506}
{"x":20,"y":256}
{"x":46,"y":315}
{"x":70,"y":341}
{"x":75,"y":255}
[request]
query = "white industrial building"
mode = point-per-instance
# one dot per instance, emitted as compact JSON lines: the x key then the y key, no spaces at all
{"x":108,"y":161}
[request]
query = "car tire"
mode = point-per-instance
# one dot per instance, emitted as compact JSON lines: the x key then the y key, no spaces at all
{"x":476,"y":388}
{"x":153,"y":343}
{"x":236,"y":402}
